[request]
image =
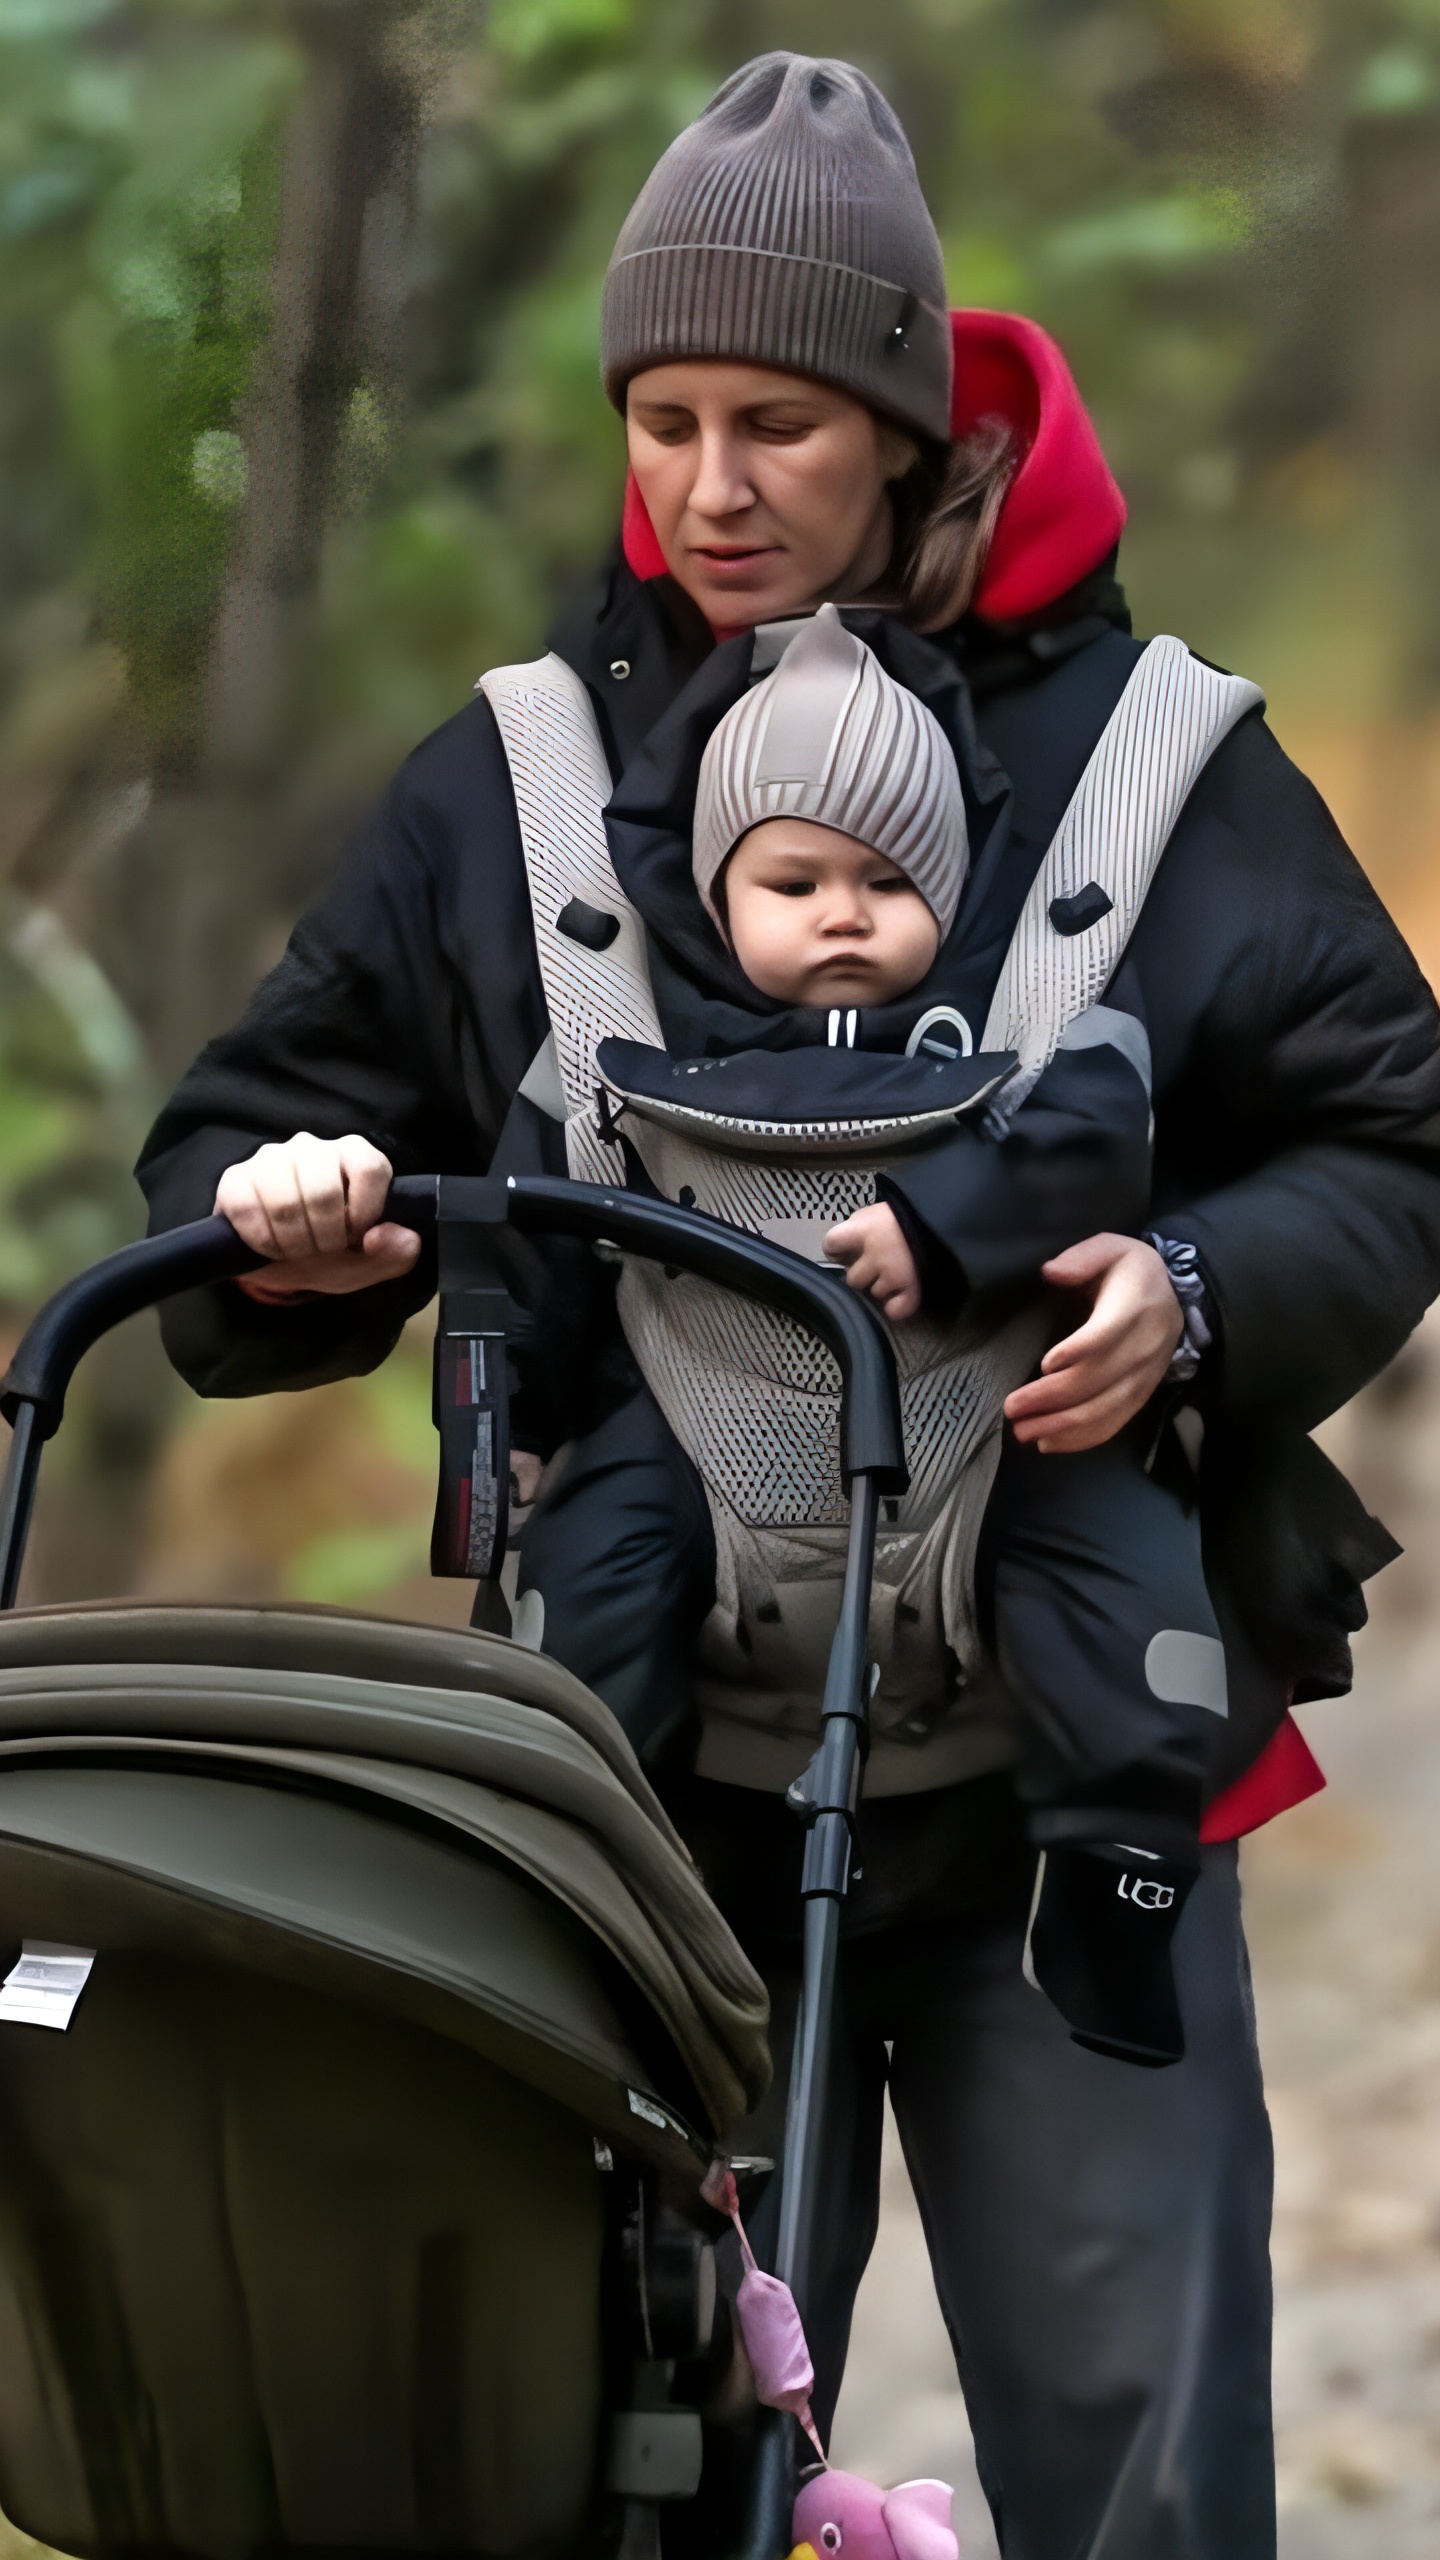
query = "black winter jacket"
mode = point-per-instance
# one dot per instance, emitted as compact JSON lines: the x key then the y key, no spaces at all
{"x":1294,"y":1044}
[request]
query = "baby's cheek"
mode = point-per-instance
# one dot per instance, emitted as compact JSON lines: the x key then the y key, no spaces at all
{"x":770,"y":940}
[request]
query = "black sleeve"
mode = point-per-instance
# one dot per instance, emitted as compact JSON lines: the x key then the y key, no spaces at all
{"x":1074,"y":1161}
{"x":1299,"y":1146}
{"x":406,"y":1009}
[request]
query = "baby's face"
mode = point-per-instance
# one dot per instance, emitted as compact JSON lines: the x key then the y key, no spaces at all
{"x":817,"y":918}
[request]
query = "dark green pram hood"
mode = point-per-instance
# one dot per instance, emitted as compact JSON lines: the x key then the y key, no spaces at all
{"x":301,"y":2220}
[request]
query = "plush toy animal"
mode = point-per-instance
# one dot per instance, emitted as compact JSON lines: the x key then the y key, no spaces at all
{"x":836,"y":2514}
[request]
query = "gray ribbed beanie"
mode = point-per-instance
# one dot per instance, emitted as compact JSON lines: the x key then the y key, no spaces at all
{"x":787,"y":227}
{"x":830,"y":737}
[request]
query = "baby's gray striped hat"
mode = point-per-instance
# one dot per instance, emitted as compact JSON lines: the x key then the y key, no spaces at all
{"x":786,"y":227}
{"x":831,"y":737}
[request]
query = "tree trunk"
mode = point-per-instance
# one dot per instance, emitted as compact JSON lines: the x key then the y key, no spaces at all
{"x":348,"y":142}
{"x":194,"y":903}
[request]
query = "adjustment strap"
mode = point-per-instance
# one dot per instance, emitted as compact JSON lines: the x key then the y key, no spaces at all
{"x":472,"y":1417}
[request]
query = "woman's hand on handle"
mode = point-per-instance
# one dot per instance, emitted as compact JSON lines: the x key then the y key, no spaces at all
{"x":315,"y":1208}
{"x":1096,"y":1380}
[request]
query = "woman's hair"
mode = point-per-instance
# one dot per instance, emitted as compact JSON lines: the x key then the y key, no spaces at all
{"x":946,"y":506}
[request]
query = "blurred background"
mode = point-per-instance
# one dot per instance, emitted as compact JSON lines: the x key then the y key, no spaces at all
{"x":300,"y":429}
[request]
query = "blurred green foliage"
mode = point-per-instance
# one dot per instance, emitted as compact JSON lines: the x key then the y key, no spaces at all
{"x":385,"y":414}
{"x":137,"y":224}
{"x":347,"y":1566}
{"x":1158,"y":181}
{"x":73,"y":1097}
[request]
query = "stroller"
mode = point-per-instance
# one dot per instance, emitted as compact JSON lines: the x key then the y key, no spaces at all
{"x":357,"y":2205}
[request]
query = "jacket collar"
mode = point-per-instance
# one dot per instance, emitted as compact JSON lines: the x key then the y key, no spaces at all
{"x":634,"y":643}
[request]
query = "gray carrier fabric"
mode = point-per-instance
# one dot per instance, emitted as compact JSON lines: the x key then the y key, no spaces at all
{"x":301,"y":2221}
{"x":751,"y":1397}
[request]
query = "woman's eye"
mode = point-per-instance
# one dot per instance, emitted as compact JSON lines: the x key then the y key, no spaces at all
{"x":668,"y":430}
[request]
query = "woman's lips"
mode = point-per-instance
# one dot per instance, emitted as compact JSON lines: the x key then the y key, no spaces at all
{"x":732,"y":567}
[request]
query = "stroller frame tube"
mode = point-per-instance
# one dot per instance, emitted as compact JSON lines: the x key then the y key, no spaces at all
{"x":830,"y":1791}
{"x":17,"y":1498}
{"x":32,"y":1399}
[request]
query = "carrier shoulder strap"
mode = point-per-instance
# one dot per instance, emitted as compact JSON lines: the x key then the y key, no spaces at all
{"x":1168,"y":722}
{"x":589,"y":939}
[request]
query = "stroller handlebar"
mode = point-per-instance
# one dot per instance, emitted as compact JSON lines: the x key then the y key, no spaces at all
{"x":871,"y":1437}
{"x":138,"y":1276}
{"x":190,"y":1257}
{"x":211,"y":1250}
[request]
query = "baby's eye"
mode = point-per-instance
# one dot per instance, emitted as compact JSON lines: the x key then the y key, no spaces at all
{"x":831,"y":2537}
{"x":794,"y":888}
{"x":888,"y":883}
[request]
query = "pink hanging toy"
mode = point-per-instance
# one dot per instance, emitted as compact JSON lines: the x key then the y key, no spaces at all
{"x":835,"y":2513}
{"x":838,"y":2517}
{"x":769,"y":2320}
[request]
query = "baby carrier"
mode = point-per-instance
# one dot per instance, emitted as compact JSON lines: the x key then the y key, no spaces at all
{"x":366,"y":2033}
{"x":787,"y":1144}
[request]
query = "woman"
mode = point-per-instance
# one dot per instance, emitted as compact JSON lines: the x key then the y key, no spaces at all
{"x":775,"y":332}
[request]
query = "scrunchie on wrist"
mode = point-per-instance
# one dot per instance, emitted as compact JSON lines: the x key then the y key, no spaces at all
{"x":1182,"y":1267}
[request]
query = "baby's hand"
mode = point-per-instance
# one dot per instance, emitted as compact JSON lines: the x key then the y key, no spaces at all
{"x":877,"y":1260}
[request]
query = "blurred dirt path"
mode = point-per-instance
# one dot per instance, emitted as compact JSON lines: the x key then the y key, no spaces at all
{"x":1343,"y":1909}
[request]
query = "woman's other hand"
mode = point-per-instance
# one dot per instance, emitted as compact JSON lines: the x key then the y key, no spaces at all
{"x":878,"y":1261}
{"x":1096,"y":1380}
{"x":314,"y":1207}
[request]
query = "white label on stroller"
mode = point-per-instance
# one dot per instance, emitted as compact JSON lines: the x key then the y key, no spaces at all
{"x":647,"y":2111}
{"x":42,"y":1989}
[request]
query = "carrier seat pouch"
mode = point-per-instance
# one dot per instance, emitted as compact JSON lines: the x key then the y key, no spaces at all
{"x":750,"y":1395}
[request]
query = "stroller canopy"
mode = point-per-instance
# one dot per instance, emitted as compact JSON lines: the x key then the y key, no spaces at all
{"x":304,"y":2217}
{"x":452,"y":1815}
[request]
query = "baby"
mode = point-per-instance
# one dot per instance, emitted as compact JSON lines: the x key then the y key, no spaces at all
{"x":841,"y":898}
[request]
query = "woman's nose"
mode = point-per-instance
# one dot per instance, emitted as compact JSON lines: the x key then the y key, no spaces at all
{"x":720,"y":486}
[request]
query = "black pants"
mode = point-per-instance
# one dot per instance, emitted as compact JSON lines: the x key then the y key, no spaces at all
{"x":1098,"y":2232}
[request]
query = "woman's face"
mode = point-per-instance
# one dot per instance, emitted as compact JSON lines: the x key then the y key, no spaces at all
{"x":768,"y":492}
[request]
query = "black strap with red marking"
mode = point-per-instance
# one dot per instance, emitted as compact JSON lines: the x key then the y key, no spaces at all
{"x":472,"y":1417}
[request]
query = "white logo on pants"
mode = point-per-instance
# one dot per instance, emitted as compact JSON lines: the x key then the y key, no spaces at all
{"x":1146,"y":1892}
